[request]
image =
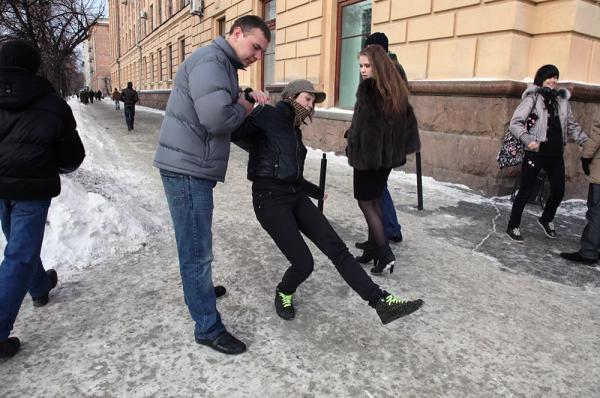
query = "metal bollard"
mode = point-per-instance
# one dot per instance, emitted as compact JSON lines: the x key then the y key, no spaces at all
{"x":322,"y":176}
{"x":419,"y":182}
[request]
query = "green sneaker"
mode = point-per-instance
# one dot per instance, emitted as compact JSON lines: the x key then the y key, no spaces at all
{"x":284,"y":306}
{"x":389,"y":307}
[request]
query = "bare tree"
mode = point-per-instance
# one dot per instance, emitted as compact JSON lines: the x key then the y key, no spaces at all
{"x":55,"y":27}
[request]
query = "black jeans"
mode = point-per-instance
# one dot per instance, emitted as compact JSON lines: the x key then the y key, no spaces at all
{"x":284,"y":215}
{"x":554,"y":166}
{"x":129,"y":115}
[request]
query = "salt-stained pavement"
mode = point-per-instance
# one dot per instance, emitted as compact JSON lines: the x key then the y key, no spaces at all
{"x":500,"y":319}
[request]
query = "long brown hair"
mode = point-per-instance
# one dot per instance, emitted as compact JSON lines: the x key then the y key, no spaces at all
{"x":388,"y":82}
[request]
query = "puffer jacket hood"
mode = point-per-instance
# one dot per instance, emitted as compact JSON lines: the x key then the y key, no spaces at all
{"x":532,"y":90}
{"x":18,"y":88}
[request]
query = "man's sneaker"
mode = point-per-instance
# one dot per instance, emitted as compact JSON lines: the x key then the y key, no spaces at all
{"x":548,"y":228}
{"x":390,"y":307}
{"x":395,"y":238}
{"x":579,"y":258}
{"x":514,"y":234}
{"x":220,"y":291}
{"x":9,"y":347}
{"x":284,"y":306}
{"x":225,"y":343}
{"x":43,"y":300}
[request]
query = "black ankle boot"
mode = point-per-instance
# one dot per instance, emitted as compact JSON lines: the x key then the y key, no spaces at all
{"x":369,"y":253}
{"x":384,"y":257}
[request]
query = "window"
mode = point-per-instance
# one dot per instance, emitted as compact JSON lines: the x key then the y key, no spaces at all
{"x":169,"y":8}
{"x":160,"y":69}
{"x":355,"y":22}
{"x":170,"y":71}
{"x":151,"y":22}
{"x":159,"y":11}
{"x":221,"y":26}
{"x":181,"y":50}
{"x":152,"y":67}
{"x":144,"y":76}
{"x":268,"y":64}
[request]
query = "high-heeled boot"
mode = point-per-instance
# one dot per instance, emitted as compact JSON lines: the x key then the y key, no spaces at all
{"x":384,"y":258}
{"x":369,"y":253}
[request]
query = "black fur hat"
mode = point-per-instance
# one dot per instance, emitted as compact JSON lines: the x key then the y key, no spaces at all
{"x":378,"y":38}
{"x":20,"y":54}
{"x":544,"y":73}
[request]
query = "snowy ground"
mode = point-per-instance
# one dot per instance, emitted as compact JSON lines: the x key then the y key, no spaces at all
{"x":500,"y":319}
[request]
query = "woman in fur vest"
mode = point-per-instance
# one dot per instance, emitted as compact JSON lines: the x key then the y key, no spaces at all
{"x":542,"y":122}
{"x":378,"y":140}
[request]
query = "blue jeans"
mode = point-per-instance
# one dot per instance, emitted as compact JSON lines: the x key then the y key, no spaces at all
{"x":117,"y":105}
{"x":391,"y":226}
{"x":129,"y":115}
{"x":21,"y":270}
{"x":191,"y":204}
{"x":590,"y":239}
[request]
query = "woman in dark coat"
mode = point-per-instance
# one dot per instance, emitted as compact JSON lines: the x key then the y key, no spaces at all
{"x":378,"y":140}
{"x":282,"y":206}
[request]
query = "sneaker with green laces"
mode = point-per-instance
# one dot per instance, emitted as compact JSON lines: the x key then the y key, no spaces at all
{"x":284,"y":306}
{"x":389,"y":307}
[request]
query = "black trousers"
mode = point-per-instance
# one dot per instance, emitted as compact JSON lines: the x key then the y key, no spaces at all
{"x":554,"y":166}
{"x":284,"y":215}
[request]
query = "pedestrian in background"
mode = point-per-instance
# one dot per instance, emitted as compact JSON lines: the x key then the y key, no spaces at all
{"x":204,"y":108}
{"x":129,"y":97}
{"x":542,"y":122}
{"x":590,"y":238}
{"x":391,"y":226}
{"x":378,"y":140}
{"x":116,"y":96}
{"x":38,"y":140}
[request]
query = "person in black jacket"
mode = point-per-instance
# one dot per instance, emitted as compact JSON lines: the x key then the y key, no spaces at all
{"x":129,"y":97}
{"x":379,"y":138}
{"x":391,"y":226}
{"x":38,"y":140}
{"x":280,"y":196}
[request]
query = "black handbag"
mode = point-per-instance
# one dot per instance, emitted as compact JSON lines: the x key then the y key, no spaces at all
{"x":512,"y":149}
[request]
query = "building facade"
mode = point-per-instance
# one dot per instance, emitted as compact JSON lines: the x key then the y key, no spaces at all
{"x":97,"y":58}
{"x":466,"y":61}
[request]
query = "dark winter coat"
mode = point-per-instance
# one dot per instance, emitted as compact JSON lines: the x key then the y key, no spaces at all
{"x":38,"y":139}
{"x":275,"y":146}
{"x":129,"y":96}
{"x":376,"y":140}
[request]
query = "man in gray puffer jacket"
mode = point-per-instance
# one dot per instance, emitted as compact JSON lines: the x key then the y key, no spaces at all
{"x":204,"y":108}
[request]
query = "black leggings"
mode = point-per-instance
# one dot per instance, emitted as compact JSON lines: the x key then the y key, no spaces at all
{"x":284,"y":215}
{"x":554,"y":166}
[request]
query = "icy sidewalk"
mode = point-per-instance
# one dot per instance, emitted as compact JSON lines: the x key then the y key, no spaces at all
{"x":500,"y":319}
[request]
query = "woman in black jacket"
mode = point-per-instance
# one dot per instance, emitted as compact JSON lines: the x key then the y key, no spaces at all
{"x":280,"y":197}
{"x":378,"y":140}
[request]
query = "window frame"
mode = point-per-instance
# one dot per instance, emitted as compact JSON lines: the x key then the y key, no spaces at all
{"x":272,"y":25}
{"x":338,"y":39}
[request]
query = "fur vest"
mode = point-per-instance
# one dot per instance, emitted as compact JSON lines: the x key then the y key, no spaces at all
{"x":376,"y":140}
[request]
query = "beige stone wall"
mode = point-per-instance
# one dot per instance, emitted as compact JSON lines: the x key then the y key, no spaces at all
{"x":510,"y":39}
